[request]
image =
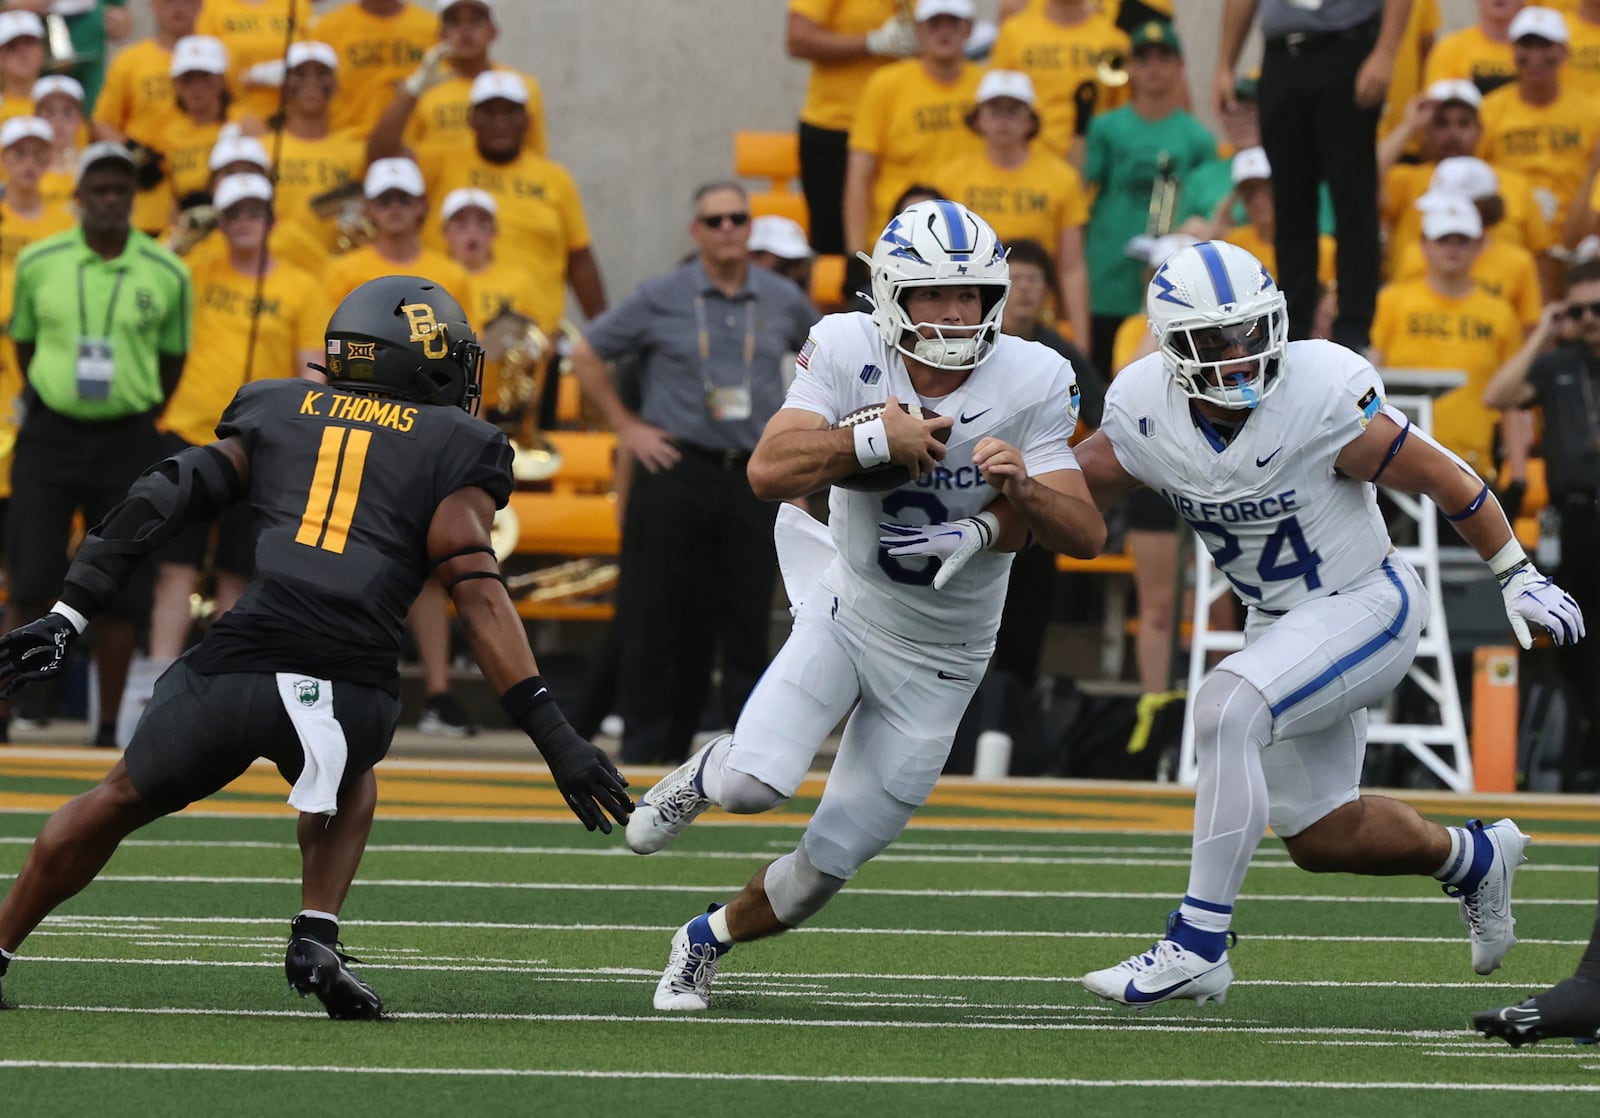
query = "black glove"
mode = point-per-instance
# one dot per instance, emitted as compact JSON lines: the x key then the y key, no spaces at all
{"x":1085,"y":98}
{"x":587,"y":779}
{"x":34,"y":651}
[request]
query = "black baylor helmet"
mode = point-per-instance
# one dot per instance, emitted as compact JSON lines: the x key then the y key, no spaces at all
{"x":404,"y":336}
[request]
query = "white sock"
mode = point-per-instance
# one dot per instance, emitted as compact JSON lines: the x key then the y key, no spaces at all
{"x":719,"y":926}
{"x":9,"y":955}
{"x":318,"y":915}
{"x":711,"y":773}
{"x":1230,"y":802}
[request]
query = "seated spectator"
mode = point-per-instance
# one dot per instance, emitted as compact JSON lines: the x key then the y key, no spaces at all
{"x":1060,"y":45}
{"x":58,"y":101}
{"x":137,"y":94}
{"x":1252,"y":182}
{"x":379,"y":42}
{"x":21,"y":61}
{"x":200,"y":83}
{"x":540,"y":210}
{"x":910,"y":119}
{"x":779,"y":245}
{"x":1480,"y":53}
{"x":1023,"y":191}
{"x":1504,"y":269}
{"x":397,"y":205}
{"x":314,"y":160}
{"x":1536,"y":125}
{"x":254,"y":33}
{"x":1445,"y":321}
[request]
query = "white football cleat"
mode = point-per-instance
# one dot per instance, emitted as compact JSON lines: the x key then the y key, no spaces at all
{"x":1486,"y":911}
{"x":676,"y":801}
{"x":1167,"y":972}
{"x":691,"y":967}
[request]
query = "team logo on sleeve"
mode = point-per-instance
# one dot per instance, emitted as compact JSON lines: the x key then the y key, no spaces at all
{"x":803,"y":358}
{"x":871,"y":374}
{"x":1369,"y":405}
{"x":1147,"y":426}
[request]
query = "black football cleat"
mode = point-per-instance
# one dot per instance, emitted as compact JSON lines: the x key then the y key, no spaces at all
{"x":314,"y":967}
{"x":1569,"y":1010}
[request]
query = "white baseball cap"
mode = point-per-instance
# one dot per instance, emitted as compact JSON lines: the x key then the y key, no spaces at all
{"x":1444,"y":213}
{"x":311,"y":51}
{"x":779,"y":236}
{"x":961,"y":9}
{"x":1455,"y":89}
{"x":20,"y":128}
{"x":1251,"y":163}
{"x":199,"y":54}
{"x":234,"y":148}
{"x":444,"y":6}
{"x":1538,"y":23}
{"x":20,"y":24}
{"x":1465,"y":174}
{"x":239,"y":188}
{"x":467,"y":197}
{"x":56,"y":83}
{"x":499,"y":85}
{"x":1006,"y":83}
{"x":395,"y":173}
{"x":103,"y":151}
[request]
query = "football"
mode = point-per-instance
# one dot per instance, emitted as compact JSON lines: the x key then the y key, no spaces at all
{"x":890,"y":475}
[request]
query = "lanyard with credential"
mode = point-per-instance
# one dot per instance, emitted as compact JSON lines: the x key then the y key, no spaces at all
{"x":704,"y":337}
{"x":111,"y":305}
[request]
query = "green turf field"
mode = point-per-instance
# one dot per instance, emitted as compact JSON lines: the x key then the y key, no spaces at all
{"x":519,"y":958}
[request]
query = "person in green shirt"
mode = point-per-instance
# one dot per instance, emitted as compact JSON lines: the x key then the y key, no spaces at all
{"x":101,"y":325}
{"x":1123,"y":156}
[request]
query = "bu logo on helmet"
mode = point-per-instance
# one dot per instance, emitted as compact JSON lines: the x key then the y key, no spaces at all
{"x":426,"y":329}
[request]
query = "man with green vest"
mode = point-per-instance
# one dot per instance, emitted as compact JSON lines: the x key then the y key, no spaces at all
{"x":101,"y":324}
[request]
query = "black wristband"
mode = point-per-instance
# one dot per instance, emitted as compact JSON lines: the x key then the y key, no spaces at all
{"x":533,"y":709}
{"x":523,"y":698}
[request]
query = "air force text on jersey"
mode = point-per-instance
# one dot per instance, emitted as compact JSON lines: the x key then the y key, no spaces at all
{"x":1233,"y":512}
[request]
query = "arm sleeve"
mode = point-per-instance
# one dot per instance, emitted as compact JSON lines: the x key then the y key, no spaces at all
{"x":867,"y":131}
{"x":622,"y":329}
{"x":818,"y":11}
{"x":1053,"y":422}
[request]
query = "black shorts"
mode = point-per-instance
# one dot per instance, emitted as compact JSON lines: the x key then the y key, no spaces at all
{"x":230,"y":538}
{"x":200,"y":732}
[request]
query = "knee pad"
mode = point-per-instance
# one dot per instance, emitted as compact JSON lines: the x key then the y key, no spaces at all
{"x":797,"y":890}
{"x":743,"y":794}
{"x":1229,"y":707}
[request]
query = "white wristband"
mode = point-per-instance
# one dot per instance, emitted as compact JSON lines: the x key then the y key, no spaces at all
{"x":991,"y":523}
{"x":872,"y":444}
{"x":79,"y":622}
{"x":1507,"y":557}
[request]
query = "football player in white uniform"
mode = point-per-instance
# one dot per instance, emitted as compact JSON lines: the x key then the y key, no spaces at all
{"x":889,"y":632}
{"x":1270,"y":450}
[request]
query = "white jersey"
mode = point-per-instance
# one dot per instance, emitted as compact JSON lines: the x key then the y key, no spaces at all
{"x":1025,"y":393}
{"x":1279,"y":522}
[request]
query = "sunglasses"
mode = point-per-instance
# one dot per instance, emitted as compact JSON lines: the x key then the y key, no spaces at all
{"x":1575,"y":311}
{"x":717,"y":221}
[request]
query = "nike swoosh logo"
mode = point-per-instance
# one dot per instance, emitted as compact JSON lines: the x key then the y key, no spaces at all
{"x":946,"y":675}
{"x":870,"y":444}
{"x":1135,"y":996}
{"x":1268,"y":458}
{"x":980,"y":415}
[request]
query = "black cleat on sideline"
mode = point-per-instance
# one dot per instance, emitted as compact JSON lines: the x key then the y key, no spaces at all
{"x":1569,"y":1010}
{"x":315,"y":968}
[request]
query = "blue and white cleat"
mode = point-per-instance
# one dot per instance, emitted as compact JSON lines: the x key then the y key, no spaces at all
{"x":1167,"y":972}
{"x":676,"y":801}
{"x":686,"y":983}
{"x":1486,"y":910}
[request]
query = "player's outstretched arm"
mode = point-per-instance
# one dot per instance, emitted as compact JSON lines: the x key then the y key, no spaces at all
{"x":458,"y":545}
{"x":1396,"y":455}
{"x":799,"y":453}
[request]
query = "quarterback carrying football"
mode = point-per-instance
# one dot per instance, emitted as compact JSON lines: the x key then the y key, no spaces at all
{"x":1270,"y":450}
{"x":896,"y":614}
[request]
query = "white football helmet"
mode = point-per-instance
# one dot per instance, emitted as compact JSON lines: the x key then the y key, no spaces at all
{"x":938,"y":244}
{"x":1222,"y":323}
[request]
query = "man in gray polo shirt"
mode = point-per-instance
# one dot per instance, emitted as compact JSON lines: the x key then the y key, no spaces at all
{"x":713,"y":337}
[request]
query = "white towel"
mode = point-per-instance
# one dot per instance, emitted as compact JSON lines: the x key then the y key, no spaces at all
{"x":805,"y":550}
{"x":310,"y":706}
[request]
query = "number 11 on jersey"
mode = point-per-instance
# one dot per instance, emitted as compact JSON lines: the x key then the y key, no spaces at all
{"x":335,"y":488}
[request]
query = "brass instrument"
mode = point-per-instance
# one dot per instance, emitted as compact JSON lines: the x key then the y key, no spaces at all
{"x":194,"y":225}
{"x":1163,"y":208}
{"x":62,"y":55}
{"x":573,"y":579}
{"x":1112,"y":69}
{"x":345,"y":205}
{"x":523,"y":353}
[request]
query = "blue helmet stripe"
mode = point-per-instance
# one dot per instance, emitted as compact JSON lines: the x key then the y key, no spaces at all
{"x":1217,"y":270}
{"x":961,"y":245}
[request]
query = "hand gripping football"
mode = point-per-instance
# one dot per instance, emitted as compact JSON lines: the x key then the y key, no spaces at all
{"x":890,"y":475}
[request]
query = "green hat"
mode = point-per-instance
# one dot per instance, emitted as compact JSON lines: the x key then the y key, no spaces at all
{"x":1155,"y":33}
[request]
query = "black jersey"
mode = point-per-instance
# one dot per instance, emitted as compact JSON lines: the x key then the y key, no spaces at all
{"x":344,"y":487}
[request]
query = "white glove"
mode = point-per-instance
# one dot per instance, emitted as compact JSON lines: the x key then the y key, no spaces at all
{"x":896,"y":38}
{"x":266,"y":73}
{"x":431,"y":72}
{"x":1530,"y":596}
{"x":952,"y":543}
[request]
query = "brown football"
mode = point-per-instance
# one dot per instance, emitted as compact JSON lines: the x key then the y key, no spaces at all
{"x":890,"y":475}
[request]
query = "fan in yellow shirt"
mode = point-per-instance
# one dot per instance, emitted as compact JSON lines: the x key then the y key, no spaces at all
{"x":313,"y":160}
{"x":397,"y":204}
{"x":1537,"y":125}
{"x":540,"y":211}
{"x":910,"y":120}
{"x":58,"y":101}
{"x":1060,"y":45}
{"x":21,"y":60}
{"x":288,"y":242}
{"x":1480,"y":54}
{"x":199,"y":80}
{"x":1416,"y":46}
{"x":440,"y":92}
{"x":255,"y":33}
{"x":1583,"y":47}
{"x":24,"y":218}
{"x":1444,"y":321}
{"x":137,"y":94}
{"x":379,"y":43}
{"x":1023,"y":192}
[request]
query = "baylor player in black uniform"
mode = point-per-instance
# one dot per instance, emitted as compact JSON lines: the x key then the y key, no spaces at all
{"x":363,"y":487}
